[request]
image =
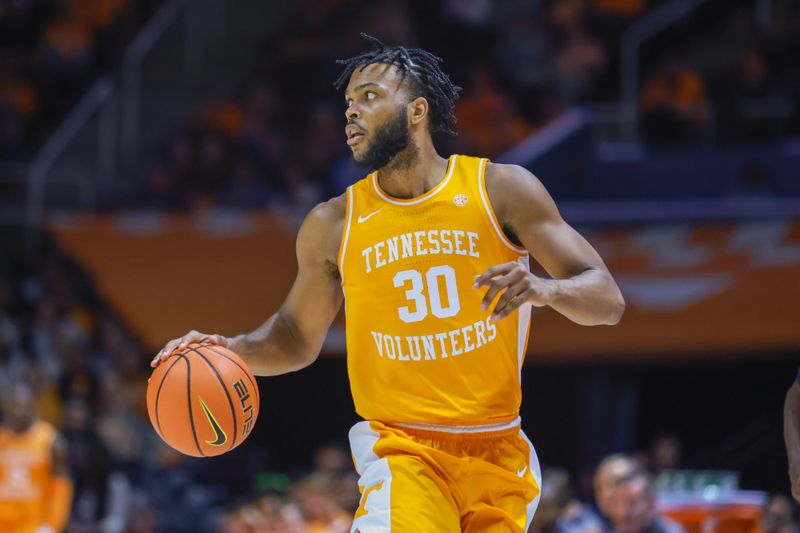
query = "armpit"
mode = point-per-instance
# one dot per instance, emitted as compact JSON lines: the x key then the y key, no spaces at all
{"x":511,"y":235}
{"x":332,"y":269}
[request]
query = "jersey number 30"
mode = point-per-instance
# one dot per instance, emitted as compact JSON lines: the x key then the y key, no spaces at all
{"x":416,"y":293}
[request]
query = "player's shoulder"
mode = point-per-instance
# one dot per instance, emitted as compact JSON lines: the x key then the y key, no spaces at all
{"x":330,"y":211}
{"x":322,"y":227}
{"x":510,"y":186}
{"x":515,"y":191}
{"x":507,"y":175}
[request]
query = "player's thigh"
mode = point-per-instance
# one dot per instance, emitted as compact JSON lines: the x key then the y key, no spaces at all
{"x":402,"y":494}
{"x":502,"y":495}
{"x":500,"y":503}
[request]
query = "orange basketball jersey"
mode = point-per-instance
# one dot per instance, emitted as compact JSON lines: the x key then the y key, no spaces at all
{"x":25,"y":471}
{"x":420,"y":350}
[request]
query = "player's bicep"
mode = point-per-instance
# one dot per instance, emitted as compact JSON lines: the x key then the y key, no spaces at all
{"x":533,"y":216}
{"x":316,"y":295}
{"x":312,"y":303}
{"x":560,"y":249}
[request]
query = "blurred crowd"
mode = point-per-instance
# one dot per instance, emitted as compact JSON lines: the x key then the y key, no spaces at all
{"x":322,"y":501}
{"x":50,"y":51}
{"x":276,"y":138}
{"x":86,"y":373}
{"x":758,"y":101}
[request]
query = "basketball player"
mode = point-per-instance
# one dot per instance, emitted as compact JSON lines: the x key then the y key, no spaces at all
{"x":791,"y":432}
{"x":35,"y":490}
{"x":430,"y":256}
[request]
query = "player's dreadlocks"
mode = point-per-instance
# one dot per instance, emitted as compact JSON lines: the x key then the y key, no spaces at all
{"x":426,"y":78}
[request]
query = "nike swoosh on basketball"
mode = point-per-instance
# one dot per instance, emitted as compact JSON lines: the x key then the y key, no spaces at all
{"x":521,"y":473}
{"x":221,"y":437}
{"x":362,"y":218}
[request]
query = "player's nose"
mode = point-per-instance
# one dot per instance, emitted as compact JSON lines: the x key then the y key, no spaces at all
{"x":352,"y":112}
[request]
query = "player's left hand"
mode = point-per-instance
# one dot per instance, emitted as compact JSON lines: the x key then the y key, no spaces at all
{"x":518,"y":285}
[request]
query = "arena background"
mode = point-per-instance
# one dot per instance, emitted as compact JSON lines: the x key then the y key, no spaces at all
{"x":156,"y":158}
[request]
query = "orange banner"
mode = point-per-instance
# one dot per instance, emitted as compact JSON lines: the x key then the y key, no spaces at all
{"x":715,"y":289}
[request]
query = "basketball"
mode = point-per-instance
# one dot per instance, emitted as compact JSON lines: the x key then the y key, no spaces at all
{"x":203,"y":400}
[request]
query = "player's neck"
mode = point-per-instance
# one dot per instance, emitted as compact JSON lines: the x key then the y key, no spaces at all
{"x":414,"y":174}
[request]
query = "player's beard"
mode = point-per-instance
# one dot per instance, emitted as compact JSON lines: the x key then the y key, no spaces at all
{"x":391,"y":144}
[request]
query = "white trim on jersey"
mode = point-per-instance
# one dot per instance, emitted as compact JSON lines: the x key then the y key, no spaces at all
{"x":487,"y":206}
{"x":451,"y":163}
{"x":485,"y":428}
{"x":346,"y":232}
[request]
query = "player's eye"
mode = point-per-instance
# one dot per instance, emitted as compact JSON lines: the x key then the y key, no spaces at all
{"x":371,"y":95}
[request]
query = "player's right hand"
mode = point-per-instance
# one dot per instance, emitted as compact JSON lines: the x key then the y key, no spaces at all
{"x":186,"y":340}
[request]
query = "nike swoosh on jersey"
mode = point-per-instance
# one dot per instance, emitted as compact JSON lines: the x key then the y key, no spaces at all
{"x":365,"y":218}
{"x":221,"y":437}
{"x":521,"y":473}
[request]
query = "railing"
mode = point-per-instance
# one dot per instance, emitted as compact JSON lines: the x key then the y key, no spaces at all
{"x":100,"y":102}
{"x":632,"y":40}
{"x":73,"y":179}
{"x":117,"y":141}
{"x":544,"y":140}
{"x":204,"y":25}
{"x":13,"y":177}
{"x":132,"y":74}
{"x":96,"y":100}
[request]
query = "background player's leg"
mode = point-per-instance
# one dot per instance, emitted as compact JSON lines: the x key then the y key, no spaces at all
{"x":400,"y":493}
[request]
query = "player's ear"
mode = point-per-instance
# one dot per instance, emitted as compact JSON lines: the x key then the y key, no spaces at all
{"x":417,"y":110}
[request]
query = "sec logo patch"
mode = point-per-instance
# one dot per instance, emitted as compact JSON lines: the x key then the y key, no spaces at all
{"x":460,"y":200}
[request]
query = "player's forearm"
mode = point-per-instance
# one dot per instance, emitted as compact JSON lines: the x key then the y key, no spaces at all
{"x":591,"y":298}
{"x":276,"y":347}
{"x":791,"y":432}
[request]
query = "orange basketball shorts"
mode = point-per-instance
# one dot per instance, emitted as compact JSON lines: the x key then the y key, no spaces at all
{"x":425,"y":481}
